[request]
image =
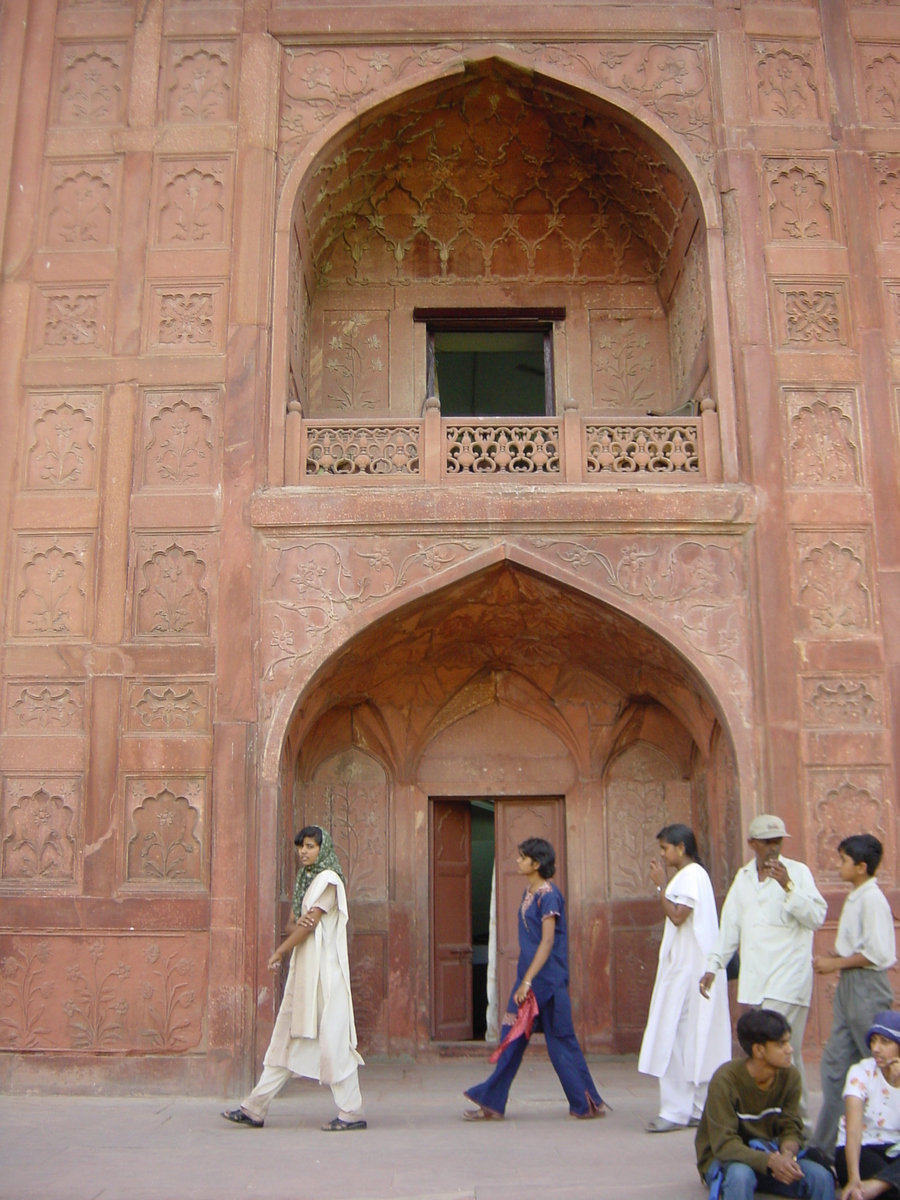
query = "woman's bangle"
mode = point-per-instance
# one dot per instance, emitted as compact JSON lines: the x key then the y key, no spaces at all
{"x":659,"y":891}
{"x":526,"y":984}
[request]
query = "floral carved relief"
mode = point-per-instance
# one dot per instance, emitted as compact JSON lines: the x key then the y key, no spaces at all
{"x":194,"y":203}
{"x":54,"y":573}
{"x":171,"y":591}
{"x":109,"y":994}
{"x":810,"y":315}
{"x":892,"y":311}
{"x":887,"y":180}
{"x":91,"y":79}
{"x":165,"y":831}
{"x":823,"y":438}
{"x":799,"y":200}
{"x":348,"y":796}
{"x":187,"y":318}
{"x":53,"y":707}
{"x":356,"y":353}
{"x":881,"y":72}
{"x":834,"y":584}
{"x":842,"y":803}
{"x":180,"y":707}
{"x":39,"y":831}
{"x":630,"y":364}
{"x":643,"y":793}
{"x":200,"y":81}
{"x":786,"y":82}
{"x":180,"y":439}
{"x":688,"y":316}
{"x":62,"y":450}
{"x":71,"y":320}
{"x":80,"y":205}
{"x":834,"y":701}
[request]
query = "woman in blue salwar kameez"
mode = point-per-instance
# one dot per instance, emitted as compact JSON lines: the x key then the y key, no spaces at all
{"x":544,"y":970}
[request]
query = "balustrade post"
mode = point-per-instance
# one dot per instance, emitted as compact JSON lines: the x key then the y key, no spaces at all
{"x":432,"y":449}
{"x":572,"y":441}
{"x":293,"y":434}
{"x":712,"y":442}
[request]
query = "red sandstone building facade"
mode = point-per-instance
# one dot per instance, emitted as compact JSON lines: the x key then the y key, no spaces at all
{"x":260,"y":568}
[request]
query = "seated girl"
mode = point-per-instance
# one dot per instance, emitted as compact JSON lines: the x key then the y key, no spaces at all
{"x":867,"y":1159}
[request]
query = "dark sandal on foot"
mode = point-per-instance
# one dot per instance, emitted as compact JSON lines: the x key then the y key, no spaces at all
{"x":239,"y":1117}
{"x":339,"y":1126}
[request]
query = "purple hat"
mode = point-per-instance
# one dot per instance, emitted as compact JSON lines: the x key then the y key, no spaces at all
{"x":887,"y":1024}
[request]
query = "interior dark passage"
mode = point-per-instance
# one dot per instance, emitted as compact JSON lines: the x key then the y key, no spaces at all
{"x":482,"y":889}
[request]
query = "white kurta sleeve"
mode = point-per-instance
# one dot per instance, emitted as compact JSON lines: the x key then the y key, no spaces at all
{"x":729,"y":930}
{"x":803,"y":902}
{"x":328,"y":899}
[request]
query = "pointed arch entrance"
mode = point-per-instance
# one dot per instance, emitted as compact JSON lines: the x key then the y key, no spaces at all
{"x":511,"y":690}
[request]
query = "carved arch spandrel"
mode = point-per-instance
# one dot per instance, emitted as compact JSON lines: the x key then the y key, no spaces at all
{"x":298,"y":703}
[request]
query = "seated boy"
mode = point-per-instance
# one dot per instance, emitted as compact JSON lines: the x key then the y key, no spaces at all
{"x":751,"y":1131}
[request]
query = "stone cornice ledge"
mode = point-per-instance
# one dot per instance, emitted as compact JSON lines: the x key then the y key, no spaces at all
{"x":508,"y":507}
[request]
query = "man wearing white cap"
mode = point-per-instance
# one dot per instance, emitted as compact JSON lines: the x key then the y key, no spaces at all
{"x":770,"y":914}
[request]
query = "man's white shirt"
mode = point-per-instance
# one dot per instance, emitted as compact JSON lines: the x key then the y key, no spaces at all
{"x":867,"y":926}
{"x":773,"y":929}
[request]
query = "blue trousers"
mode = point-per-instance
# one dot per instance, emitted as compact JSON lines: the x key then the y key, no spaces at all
{"x":742,"y":1182}
{"x":565,"y":1055}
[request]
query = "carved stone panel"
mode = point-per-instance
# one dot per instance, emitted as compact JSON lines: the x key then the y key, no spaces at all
{"x":842,"y":802}
{"x":687,"y":316}
{"x":44,"y":706}
{"x":61,"y":435}
{"x":833,"y":582}
{"x":354,"y":363}
{"x":799,"y":200}
{"x":881,"y":83}
{"x":176,"y":706}
{"x":80,"y":204}
{"x":368,"y":986}
{"x":53,"y":582}
{"x":643,"y":793}
{"x":842,"y":701}
{"x":165,"y":822}
{"x":630,"y":364}
{"x":811,"y":314}
{"x":887,"y":197}
{"x":71,"y":320}
{"x":186,"y":318}
{"x":784,"y":81}
{"x":110,"y":994}
{"x":193,"y":202}
{"x":90,"y":84}
{"x":892,"y":312}
{"x":171,"y":586}
{"x":635,"y":958}
{"x":40,"y":831}
{"x":199,"y":82}
{"x":348,"y":796}
{"x":823,"y":447}
{"x":181,"y":435}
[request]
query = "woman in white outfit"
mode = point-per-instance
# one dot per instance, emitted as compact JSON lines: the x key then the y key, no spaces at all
{"x":314,"y":1034}
{"x":687,"y":1036}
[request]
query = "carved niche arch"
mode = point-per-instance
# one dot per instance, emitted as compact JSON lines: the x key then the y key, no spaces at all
{"x":565,"y":75}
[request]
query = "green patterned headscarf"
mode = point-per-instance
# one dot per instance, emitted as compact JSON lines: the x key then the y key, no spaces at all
{"x":327,"y":861}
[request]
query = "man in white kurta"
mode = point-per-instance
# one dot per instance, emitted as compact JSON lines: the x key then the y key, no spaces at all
{"x":688,"y":1036}
{"x":770,"y":914}
{"x":315,"y":1034}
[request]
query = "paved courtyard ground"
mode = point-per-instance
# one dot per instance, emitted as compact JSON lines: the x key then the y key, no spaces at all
{"x":416,"y":1147}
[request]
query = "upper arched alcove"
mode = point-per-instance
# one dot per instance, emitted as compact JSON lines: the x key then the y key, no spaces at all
{"x":498,"y":192}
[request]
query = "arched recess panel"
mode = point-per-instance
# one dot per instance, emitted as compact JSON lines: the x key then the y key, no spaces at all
{"x":349,"y":795}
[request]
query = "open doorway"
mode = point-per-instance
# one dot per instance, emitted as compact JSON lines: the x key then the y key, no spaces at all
{"x":475,"y":896}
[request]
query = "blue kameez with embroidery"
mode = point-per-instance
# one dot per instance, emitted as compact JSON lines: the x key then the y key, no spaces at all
{"x":551,"y":990}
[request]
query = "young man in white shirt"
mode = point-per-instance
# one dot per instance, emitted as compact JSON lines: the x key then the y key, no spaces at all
{"x":770,"y":914}
{"x":864,"y":950}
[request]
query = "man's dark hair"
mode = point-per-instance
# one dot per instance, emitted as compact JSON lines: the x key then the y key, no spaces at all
{"x":863,"y":848}
{"x":680,"y":835}
{"x":312,"y":831}
{"x":758,"y":1026}
{"x":542,"y":853}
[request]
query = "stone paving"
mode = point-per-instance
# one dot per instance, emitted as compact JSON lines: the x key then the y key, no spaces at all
{"x":416,"y":1147}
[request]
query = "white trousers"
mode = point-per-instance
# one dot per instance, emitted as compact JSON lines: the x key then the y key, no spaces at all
{"x":346,"y":1094}
{"x":796,"y":1015}
{"x":679,"y":1098}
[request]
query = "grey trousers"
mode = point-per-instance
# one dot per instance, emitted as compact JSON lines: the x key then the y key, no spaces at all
{"x":861,"y":993}
{"x":796,"y":1015}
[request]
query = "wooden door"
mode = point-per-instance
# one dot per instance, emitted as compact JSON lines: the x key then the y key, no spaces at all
{"x":451,"y":916}
{"x":514,"y":821}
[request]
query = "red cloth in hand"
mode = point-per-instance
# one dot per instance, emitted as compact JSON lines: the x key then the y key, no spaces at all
{"x":522,"y":1026}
